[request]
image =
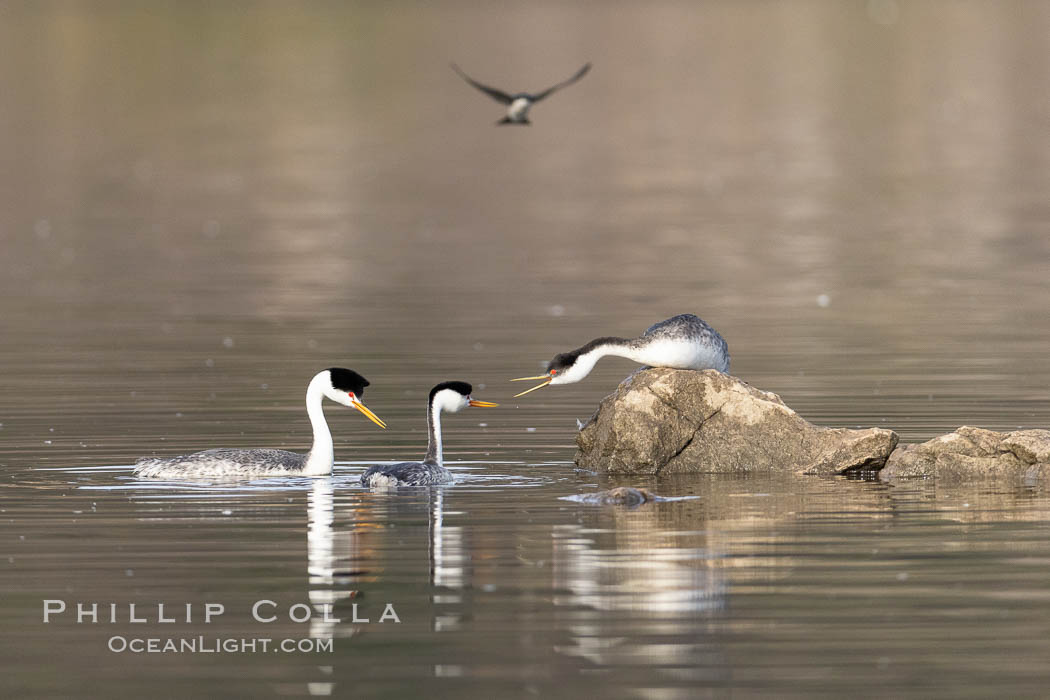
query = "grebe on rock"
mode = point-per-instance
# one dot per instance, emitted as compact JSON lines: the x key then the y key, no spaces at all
{"x":681,"y":342}
{"x":447,"y":396}
{"x":343,"y":386}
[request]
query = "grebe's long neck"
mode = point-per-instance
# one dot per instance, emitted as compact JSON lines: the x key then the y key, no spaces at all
{"x":433,"y":455}
{"x":322,"y":455}
{"x":622,"y":347}
{"x":588,"y":355}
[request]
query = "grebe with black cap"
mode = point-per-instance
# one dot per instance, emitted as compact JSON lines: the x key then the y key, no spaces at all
{"x":343,"y":386}
{"x":681,"y":342}
{"x":518,"y":104}
{"x":450,"y":397}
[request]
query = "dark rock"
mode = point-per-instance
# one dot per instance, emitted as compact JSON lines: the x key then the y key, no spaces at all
{"x":621,"y":495}
{"x":974,"y":452}
{"x":662,"y":421}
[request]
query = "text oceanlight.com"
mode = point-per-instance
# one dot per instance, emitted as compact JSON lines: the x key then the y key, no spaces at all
{"x":207,"y":645}
{"x":57,"y":611}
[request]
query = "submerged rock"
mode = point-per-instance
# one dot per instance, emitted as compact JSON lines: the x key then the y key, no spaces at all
{"x":621,"y":495}
{"x":974,"y":452}
{"x":662,"y":421}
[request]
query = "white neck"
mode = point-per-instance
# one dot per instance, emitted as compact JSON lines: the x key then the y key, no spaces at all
{"x":434,"y":430}
{"x":639,"y":355}
{"x":322,"y":455}
{"x":585,"y":362}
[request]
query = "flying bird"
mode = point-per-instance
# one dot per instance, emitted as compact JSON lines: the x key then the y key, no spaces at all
{"x":518,"y":104}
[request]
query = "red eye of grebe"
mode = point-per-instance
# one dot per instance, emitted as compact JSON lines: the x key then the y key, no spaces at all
{"x":351,"y":394}
{"x":553,"y":372}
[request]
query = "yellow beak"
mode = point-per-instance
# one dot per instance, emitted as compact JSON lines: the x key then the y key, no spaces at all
{"x":371,"y":416}
{"x":483,"y":404}
{"x":539,"y":386}
{"x":528,"y":379}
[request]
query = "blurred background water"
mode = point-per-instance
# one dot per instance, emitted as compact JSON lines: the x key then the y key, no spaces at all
{"x":203,"y":204}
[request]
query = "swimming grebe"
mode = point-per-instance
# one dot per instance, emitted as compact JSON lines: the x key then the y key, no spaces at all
{"x":518,"y":104}
{"x":343,"y":386}
{"x":447,"y":396}
{"x":680,"y":342}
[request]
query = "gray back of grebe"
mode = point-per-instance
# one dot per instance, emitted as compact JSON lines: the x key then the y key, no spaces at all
{"x":407,"y":474}
{"x":222,"y":462}
{"x":709,"y":347}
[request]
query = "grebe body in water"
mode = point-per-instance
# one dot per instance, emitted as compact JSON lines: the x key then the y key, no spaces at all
{"x":447,"y":397}
{"x":518,"y":104}
{"x":343,"y":386}
{"x":681,"y":342}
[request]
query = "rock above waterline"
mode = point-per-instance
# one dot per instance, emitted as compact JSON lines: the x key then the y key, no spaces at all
{"x":665,"y":421}
{"x":971,"y":452}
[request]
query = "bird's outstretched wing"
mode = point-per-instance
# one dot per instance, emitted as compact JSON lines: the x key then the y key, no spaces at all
{"x":495,"y":94}
{"x":579,"y":74}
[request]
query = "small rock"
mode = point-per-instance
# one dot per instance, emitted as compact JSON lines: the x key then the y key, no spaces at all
{"x":1031,"y":446}
{"x":970,"y":452}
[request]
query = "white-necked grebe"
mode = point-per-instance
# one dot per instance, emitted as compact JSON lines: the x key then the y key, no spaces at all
{"x":451,"y":397}
{"x":681,"y":342}
{"x":343,"y":386}
{"x":518,"y":104}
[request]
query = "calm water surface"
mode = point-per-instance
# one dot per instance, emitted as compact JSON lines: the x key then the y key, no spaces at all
{"x":201,"y":206}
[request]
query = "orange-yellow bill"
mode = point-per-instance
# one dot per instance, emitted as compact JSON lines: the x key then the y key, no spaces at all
{"x":527,"y":379}
{"x":371,"y":416}
{"x":539,"y":386}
